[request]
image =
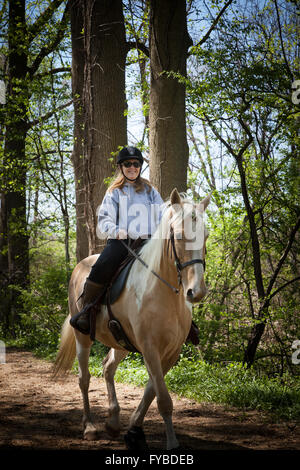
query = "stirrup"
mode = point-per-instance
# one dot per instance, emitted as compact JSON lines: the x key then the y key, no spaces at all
{"x":119,"y":334}
{"x":77,"y":316}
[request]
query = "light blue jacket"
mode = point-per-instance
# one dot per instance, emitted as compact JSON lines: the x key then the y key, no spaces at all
{"x":137,"y":213}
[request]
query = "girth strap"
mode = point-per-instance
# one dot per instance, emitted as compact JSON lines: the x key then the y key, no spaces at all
{"x":117,"y":330}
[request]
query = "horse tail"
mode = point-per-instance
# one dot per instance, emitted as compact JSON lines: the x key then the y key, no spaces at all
{"x":67,"y":349}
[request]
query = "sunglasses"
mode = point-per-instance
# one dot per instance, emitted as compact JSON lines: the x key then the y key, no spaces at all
{"x":129,"y":164}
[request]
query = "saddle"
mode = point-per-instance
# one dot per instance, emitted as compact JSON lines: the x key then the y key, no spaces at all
{"x":117,"y":284}
{"x":111,"y":295}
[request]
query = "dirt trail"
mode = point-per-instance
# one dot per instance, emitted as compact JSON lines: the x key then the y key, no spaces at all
{"x":39,"y":413}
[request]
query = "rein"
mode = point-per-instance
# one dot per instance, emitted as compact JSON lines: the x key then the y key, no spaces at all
{"x":136,"y":256}
{"x":179,"y":266}
{"x":114,"y":325}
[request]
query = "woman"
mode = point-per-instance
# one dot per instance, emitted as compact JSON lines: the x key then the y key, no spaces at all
{"x":131,"y":209}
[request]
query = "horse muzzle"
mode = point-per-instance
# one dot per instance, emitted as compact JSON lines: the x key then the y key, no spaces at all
{"x":195,"y":295}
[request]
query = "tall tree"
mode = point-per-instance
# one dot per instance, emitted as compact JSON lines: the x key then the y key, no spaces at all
{"x":98,"y":71}
{"x":252,"y":118}
{"x":169,"y":43}
{"x":21,"y":70}
{"x":14,"y":151}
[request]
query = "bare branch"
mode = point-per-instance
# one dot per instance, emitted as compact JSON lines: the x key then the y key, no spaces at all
{"x":203,"y":167}
{"x":281,"y":42}
{"x":283,"y":257}
{"x":38,"y":25}
{"x":214,"y":24}
{"x":48,"y":115}
{"x":283,"y":286}
{"x":137,"y":45}
{"x":53,"y":72}
{"x":52,"y":44}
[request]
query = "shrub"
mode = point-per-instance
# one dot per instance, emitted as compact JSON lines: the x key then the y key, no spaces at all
{"x":46,"y":306}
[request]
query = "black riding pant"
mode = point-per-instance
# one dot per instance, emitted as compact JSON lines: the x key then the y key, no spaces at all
{"x":109,"y":261}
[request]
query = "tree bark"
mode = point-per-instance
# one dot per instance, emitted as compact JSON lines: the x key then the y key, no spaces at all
{"x":255,"y":336}
{"x":14,"y":196}
{"x":98,"y":70}
{"x":259,"y":328}
{"x":13,"y":226}
{"x":169,"y":42}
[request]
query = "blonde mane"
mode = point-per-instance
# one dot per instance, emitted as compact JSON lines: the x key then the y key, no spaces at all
{"x":152,"y":252}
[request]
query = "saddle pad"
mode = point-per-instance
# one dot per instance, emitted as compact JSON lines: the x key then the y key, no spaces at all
{"x":118,"y":284}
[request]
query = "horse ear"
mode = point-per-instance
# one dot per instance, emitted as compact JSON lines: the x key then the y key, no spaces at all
{"x":204,"y":203}
{"x":175,"y":197}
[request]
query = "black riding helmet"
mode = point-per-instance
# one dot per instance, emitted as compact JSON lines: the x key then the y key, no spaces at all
{"x":130,"y":152}
{"x":127,"y":153}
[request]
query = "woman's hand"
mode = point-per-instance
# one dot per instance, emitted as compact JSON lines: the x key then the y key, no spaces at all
{"x":122,"y":234}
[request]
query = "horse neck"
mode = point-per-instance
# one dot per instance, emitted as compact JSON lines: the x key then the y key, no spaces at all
{"x":168,"y":269}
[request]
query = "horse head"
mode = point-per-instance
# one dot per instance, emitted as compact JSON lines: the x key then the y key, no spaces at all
{"x":188,"y":235}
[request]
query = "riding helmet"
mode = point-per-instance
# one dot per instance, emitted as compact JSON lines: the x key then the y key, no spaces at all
{"x":129,"y":152}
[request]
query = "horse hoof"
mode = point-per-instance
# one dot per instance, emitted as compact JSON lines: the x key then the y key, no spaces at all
{"x":135,"y":439}
{"x":90,"y":433}
{"x":112,"y":432}
{"x":178,"y":449}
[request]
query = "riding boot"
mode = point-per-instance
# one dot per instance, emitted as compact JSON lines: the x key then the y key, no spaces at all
{"x":91,"y":293}
{"x":193,"y":335}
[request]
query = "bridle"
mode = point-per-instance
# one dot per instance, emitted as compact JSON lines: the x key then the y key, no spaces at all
{"x":179,"y":266}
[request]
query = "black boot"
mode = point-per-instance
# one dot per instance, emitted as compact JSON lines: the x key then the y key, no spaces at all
{"x":91,"y":292}
{"x":193,"y":335}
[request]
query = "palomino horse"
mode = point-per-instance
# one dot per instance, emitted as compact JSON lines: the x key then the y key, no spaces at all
{"x":155,"y":318}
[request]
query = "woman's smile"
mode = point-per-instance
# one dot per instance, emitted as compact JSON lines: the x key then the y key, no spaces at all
{"x":131,"y":172}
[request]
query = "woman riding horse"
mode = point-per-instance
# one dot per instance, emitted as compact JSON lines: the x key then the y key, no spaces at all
{"x":128,"y":195}
{"x":156,"y":317}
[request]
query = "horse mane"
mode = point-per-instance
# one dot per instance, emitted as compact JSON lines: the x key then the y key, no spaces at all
{"x":152,"y":252}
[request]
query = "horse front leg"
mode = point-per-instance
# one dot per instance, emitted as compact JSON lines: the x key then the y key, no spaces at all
{"x":110,"y":364}
{"x":157,"y":371}
{"x":83,"y":354}
{"x":135,"y":439}
{"x":139,"y":414}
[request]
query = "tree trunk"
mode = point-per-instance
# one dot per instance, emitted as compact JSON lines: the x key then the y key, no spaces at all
{"x":169,"y":42}
{"x":98,"y":70}
{"x":13,"y":225}
{"x":4,"y":279}
{"x":14,"y":198}
{"x":259,"y":328}
{"x":253,"y":342}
